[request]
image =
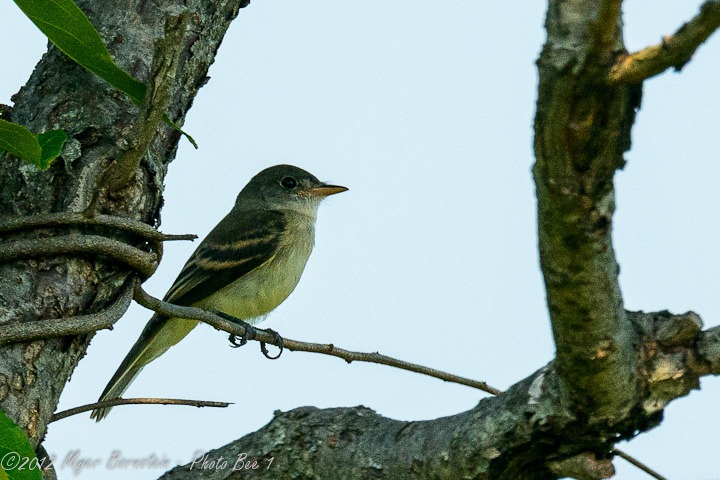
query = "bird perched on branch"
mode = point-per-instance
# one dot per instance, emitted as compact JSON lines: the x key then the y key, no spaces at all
{"x":246,"y":266}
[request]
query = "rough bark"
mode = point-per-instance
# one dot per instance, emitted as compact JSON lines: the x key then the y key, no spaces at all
{"x":531,"y":431}
{"x":100,"y":122}
{"x":582,"y":129}
{"x":615,"y":370}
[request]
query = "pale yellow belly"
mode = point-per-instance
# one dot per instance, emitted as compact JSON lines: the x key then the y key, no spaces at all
{"x":259,"y":292}
{"x":250,"y":298}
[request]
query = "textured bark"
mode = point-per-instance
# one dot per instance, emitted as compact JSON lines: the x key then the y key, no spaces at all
{"x":582,"y":129}
{"x":99,"y":122}
{"x":531,"y":431}
{"x":615,"y":370}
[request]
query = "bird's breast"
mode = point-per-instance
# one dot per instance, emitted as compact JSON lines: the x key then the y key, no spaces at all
{"x":259,"y":292}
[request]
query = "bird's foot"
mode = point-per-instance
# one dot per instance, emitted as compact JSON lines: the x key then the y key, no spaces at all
{"x":279,"y":342}
{"x":235,"y":340}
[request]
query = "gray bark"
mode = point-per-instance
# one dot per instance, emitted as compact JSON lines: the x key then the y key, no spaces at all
{"x":534,"y":430}
{"x":582,"y":129}
{"x":99,"y":122}
{"x":615,"y":370}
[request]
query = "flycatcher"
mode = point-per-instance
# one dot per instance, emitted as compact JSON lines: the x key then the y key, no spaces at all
{"x":246,"y":266}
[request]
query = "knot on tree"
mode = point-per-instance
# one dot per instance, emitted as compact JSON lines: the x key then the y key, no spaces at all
{"x":670,"y":356}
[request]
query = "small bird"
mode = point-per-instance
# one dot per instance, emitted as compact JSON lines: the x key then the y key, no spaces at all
{"x":246,"y":266}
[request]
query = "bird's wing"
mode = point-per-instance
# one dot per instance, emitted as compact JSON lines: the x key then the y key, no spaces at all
{"x":236,"y":247}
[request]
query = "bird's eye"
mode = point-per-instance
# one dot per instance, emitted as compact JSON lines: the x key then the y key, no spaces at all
{"x":288,"y":182}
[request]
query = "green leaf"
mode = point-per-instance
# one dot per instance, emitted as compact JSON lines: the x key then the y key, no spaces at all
{"x":20,"y":142}
{"x":17,"y":458}
{"x":40,"y":150}
{"x":51,"y":143}
{"x":69,"y":29}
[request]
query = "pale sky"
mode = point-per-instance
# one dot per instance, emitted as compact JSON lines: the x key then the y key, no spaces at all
{"x":425,"y":112}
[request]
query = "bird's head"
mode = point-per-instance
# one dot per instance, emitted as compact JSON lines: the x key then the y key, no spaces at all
{"x":287,"y":187}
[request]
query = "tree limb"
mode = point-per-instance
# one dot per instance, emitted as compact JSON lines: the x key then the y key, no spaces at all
{"x":581,"y":131}
{"x":674,"y":51}
{"x":531,"y":431}
{"x":668,"y":330}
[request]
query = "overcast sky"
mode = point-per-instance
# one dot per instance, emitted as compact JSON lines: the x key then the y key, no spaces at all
{"x":424,"y":111}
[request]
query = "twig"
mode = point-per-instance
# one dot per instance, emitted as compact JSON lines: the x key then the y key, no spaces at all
{"x":638,"y":464}
{"x":143,"y":262}
{"x":375,"y":357}
{"x":60,"y":327}
{"x":135,"y":401}
{"x":220,"y":323}
{"x":674,"y":50}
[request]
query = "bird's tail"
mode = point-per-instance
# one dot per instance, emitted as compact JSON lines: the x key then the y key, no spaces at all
{"x":159,"y":335}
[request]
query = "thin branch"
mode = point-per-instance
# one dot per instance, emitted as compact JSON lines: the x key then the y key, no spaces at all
{"x":638,"y":464}
{"x":375,"y":357}
{"x":674,"y":50}
{"x":143,"y":262}
{"x":229,"y":326}
{"x":136,"y":401}
{"x":60,"y":327}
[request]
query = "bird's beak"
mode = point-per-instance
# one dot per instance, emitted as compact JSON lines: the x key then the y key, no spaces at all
{"x":322,"y":191}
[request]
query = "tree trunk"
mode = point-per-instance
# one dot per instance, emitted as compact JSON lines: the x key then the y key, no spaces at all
{"x":99,"y":122}
{"x":615,"y":370}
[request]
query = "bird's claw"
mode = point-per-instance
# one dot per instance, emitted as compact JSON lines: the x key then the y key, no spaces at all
{"x":278,"y":341}
{"x":235,"y":340}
